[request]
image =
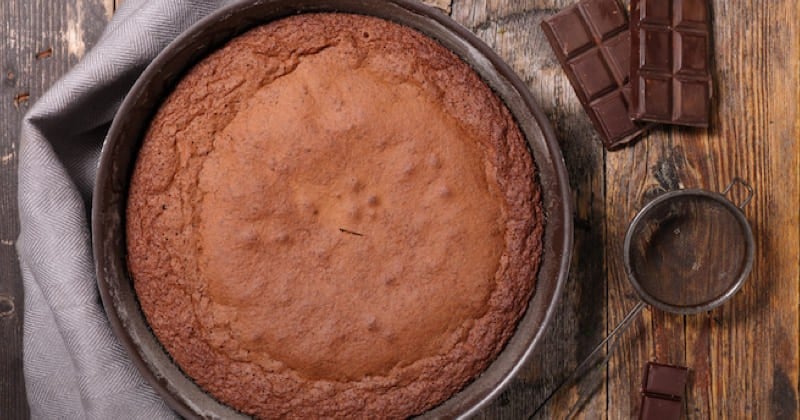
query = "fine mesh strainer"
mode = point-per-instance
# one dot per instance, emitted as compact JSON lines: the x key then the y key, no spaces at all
{"x":687,"y":251}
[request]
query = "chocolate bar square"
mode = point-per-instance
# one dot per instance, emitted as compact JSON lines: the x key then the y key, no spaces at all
{"x":670,"y":61}
{"x":693,"y":48}
{"x":591,"y":40}
{"x":571,"y":35}
{"x":618,"y":51}
{"x":663,"y":388}
{"x":660,"y":409}
{"x":666,"y":381}
{"x":593,"y":74}
{"x":657,"y":12}
{"x":693,"y":105}
{"x":652,"y":44}
{"x":604,"y":17}
{"x":612,"y":111}
{"x":692,"y":11}
{"x":657,"y":94}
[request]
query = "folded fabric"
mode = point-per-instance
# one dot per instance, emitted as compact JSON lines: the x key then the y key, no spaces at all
{"x":74,"y":365}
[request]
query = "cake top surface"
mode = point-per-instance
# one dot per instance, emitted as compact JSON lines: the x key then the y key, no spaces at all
{"x":332,"y":215}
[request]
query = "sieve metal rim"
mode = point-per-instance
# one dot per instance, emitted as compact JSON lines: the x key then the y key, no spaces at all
{"x":735,"y":210}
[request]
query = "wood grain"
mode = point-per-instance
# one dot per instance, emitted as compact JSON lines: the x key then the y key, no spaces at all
{"x":744,"y":356}
{"x":749,"y":138}
{"x":41,"y":40}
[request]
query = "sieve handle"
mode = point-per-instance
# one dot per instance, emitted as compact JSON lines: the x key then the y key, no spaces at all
{"x":594,"y":362}
{"x":746,"y":185}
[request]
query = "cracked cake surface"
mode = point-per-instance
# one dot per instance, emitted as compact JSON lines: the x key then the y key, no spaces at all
{"x":333,"y":216}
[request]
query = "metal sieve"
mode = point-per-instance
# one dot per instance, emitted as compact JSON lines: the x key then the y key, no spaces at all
{"x":687,"y":251}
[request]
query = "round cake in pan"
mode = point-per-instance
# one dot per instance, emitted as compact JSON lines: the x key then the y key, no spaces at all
{"x":333,"y":216}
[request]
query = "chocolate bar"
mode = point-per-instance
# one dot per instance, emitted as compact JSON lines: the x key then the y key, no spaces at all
{"x":663,"y":388}
{"x":670,"y":64}
{"x":592,"y":42}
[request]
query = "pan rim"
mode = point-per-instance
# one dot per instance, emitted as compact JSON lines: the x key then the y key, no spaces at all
{"x":560,"y":209}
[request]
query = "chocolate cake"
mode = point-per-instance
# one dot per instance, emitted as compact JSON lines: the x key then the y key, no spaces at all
{"x":333,"y":216}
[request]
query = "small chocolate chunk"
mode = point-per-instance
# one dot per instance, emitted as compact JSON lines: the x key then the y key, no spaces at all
{"x":592,"y":42}
{"x":670,"y":61}
{"x":663,"y":388}
{"x":665,"y":381}
{"x":654,"y":408}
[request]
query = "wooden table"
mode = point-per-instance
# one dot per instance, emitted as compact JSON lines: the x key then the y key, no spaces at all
{"x":744,"y":356}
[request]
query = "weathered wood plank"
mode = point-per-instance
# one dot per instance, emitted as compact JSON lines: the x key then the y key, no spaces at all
{"x":744,"y":354}
{"x":670,"y":159}
{"x":759,"y":138}
{"x":41,"y":40}
{"x":512,"y":29}
{"x":444,"y":5}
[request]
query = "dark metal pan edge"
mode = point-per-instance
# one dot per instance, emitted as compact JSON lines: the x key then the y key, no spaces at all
{"x":124,"y":139}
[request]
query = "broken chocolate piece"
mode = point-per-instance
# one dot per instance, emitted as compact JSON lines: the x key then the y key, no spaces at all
{"x":654,"y":408}
{"x":665,"y":381}
{"x":663,"y":388}
{"x":592,"y":42}
{"x":670,"y":61}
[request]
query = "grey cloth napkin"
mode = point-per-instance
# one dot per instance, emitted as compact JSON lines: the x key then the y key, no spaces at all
{"x":74,"y":366}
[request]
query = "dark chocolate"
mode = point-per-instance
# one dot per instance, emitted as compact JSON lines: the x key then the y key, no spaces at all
{"x":654,"y":408}
{"x":663,"y":388}
{"x":665,"y":381}
{"x":592,"y":42}
{"x":670,"y":61}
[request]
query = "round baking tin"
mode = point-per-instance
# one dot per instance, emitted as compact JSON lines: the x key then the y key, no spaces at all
{"x":125,"y":137}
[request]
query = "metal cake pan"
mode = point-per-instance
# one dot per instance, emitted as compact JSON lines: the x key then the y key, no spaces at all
{"x":128,"y":128}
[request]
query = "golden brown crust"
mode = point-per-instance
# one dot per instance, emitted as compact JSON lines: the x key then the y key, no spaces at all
{"x":333,"y":216}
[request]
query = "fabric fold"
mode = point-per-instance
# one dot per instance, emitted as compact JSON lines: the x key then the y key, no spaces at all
{"x":74,"y":365}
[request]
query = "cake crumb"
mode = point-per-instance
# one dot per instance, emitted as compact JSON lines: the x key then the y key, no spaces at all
{"x":343,"y":230}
